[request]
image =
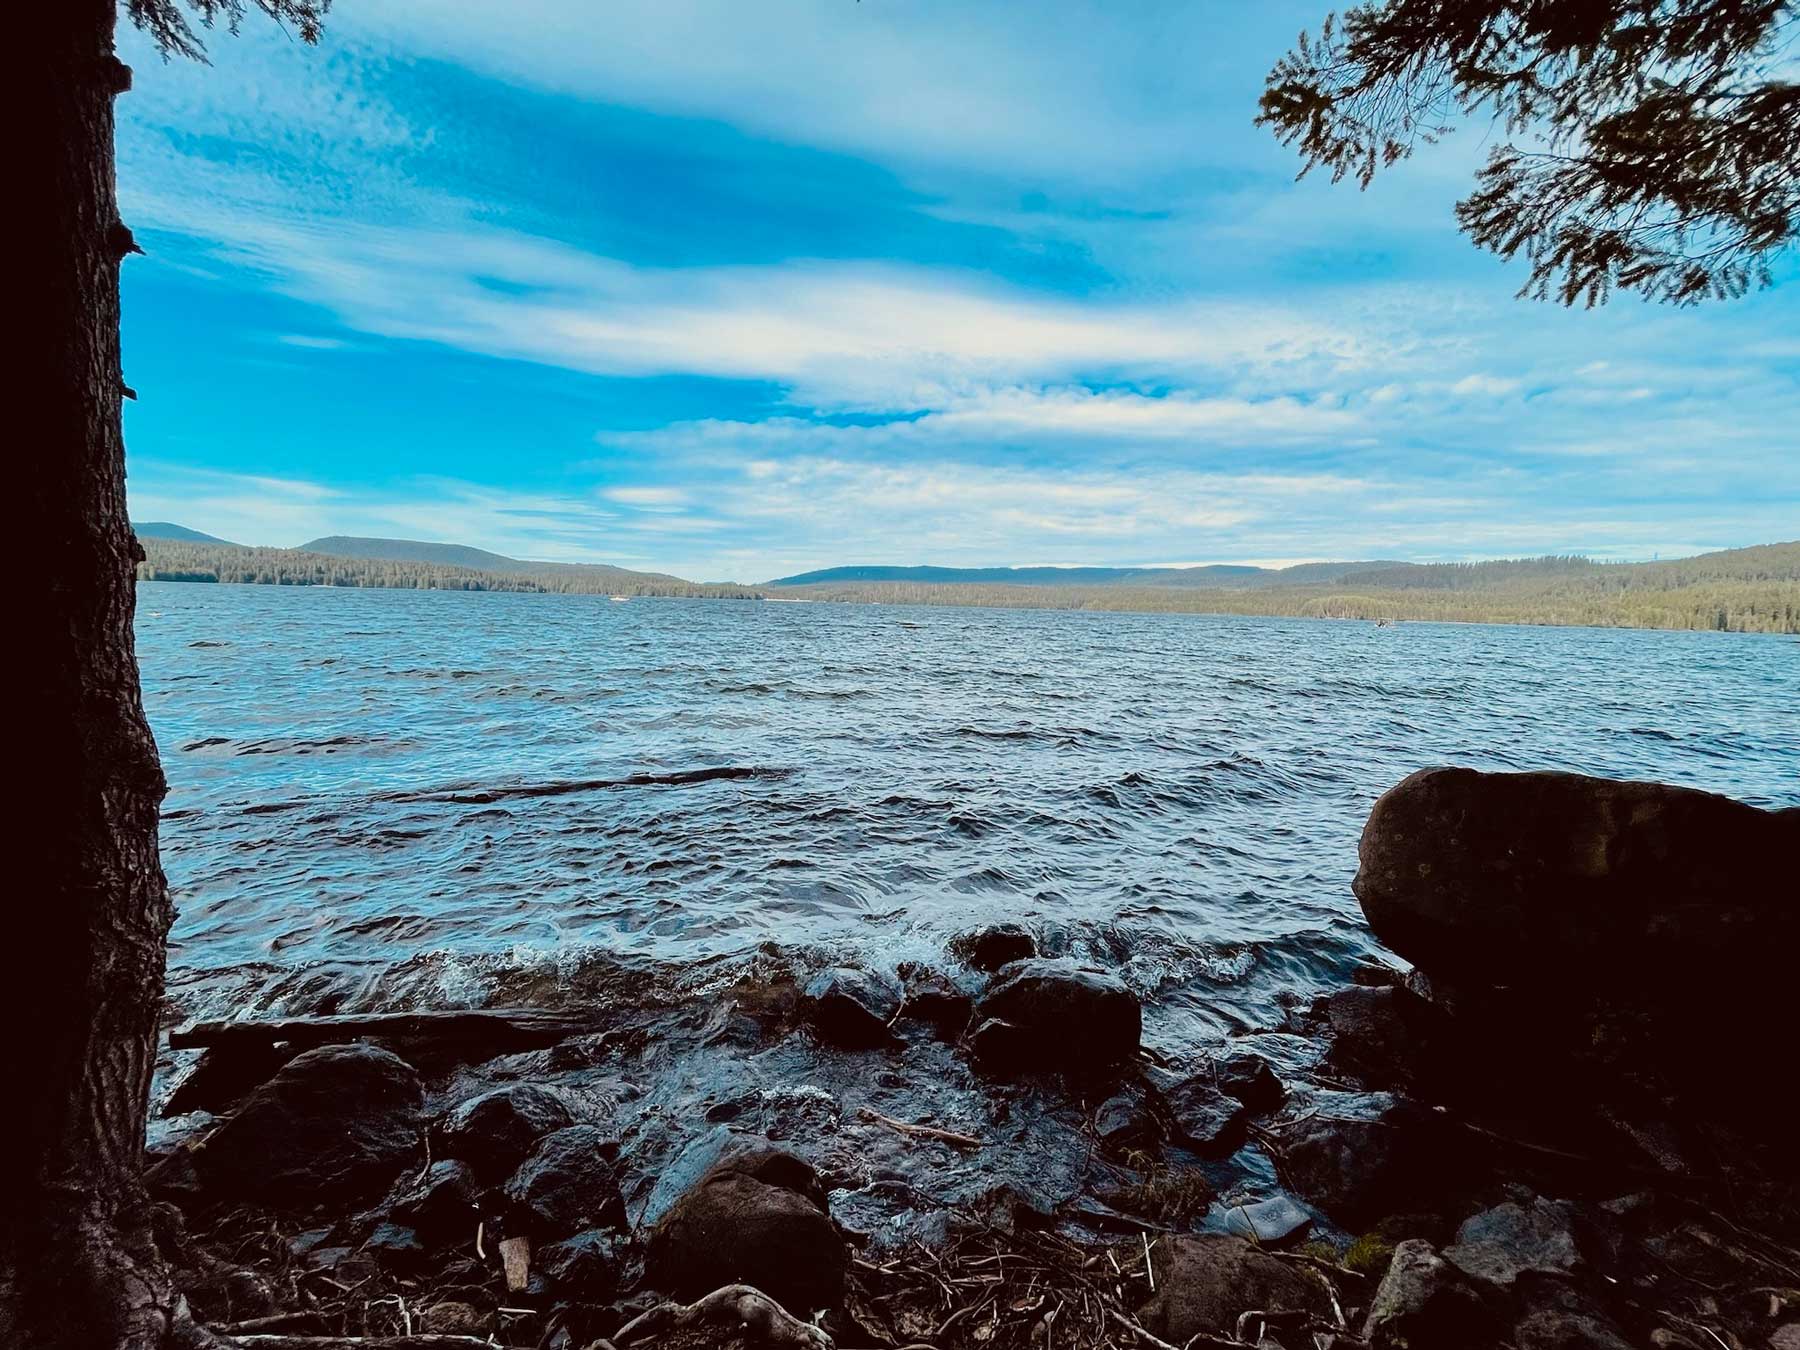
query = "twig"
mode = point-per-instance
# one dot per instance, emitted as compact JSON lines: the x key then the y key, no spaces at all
{"x":920,"y":1131}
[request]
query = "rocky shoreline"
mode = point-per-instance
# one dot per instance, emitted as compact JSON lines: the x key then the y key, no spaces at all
{"x":1569,"y":1124}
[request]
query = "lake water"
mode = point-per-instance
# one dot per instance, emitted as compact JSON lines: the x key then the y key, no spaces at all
{"x":391,"y":798}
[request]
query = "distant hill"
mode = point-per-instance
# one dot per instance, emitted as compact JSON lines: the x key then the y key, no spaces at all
{"x":1214,"y":574}
{"x":162,"y":529}
{"x":414,"y":551}
{"x":1753,"y":590}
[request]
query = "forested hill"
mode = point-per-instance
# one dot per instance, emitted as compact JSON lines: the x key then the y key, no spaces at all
{"x":163,"y":529}
{"x":179,"y":560}
{"x":1741,"y":590}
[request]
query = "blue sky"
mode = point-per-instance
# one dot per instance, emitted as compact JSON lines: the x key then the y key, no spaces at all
{"x":738,"y":290}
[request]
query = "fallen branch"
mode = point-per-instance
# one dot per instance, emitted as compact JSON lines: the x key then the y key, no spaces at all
{"x":920,"y":1131}
{"x":361,"y":1343}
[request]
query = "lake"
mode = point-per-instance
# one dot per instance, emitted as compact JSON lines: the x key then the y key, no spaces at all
{"x":395,"y":798}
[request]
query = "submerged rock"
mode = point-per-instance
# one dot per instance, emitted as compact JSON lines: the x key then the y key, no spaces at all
{"x":1203,"y":1283}
{"x":569,"y":1182}
{"x":336,"y":1123}
{"x":494,"y":1132}
{"x":1055,"y":1014}
{"x":994,"y":946}
{"x":852,"y":1008}
{"x":1535,"y":879}
{"x":755,"y":1217}
{"x":1424,"y":1302}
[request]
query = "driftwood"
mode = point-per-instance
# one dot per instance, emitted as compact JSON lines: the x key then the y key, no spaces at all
{"x":752,"y":1314}
{"x":506,"y":1028}
{"x":361,"y":1343}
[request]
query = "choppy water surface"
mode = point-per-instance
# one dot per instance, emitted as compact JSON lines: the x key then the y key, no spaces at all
{"x":382,"y":797}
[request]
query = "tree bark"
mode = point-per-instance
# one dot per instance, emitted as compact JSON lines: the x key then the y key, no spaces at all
{"x":89,"y":912}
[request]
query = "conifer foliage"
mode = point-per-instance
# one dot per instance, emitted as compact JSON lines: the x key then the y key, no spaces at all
{"x":1648,"y":145}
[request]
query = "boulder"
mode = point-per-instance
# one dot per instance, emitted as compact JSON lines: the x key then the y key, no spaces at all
{"x":994,"y":946}
{"x":726,"y":1149}
{"x":1204,"y":1282}
{"x":1500,"y":1244}
{"x":933,"y":999}
{"x":1206,"y":1119}
{"x":746,"y":1220}
{"x":225,"y":1074}
{"x":569,"y":1182}
{"x":494,"y":1132}
{"x":1360,"y":1158}
{"x":1056,"y":1014}
{"x":1424,"y":1302}
{"x":444,"y":1207}
{"x":335,"y":1124}
{"x":852,"y":1008}
{"x":1534,"y":880}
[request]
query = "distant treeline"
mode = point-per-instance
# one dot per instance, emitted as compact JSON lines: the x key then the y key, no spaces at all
{"x":178,"y":560}
{"x":1752,"y":590}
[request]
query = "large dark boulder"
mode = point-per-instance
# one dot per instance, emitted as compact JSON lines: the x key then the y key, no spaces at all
{"x":568,"y":1183}
{"x":494,"y":1132}
{"x":337,"y":1123}
{"x":994,"y":946}
{"x":1204,"y":1283}
{"x":756,"y":1217}
{"x":1055,"y":1014}
{"x":1534,"y":880}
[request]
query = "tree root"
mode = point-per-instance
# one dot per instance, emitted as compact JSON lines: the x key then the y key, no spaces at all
{"x":754,"y":1317}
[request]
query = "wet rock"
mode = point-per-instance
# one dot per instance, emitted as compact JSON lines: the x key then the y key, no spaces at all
{"x":728,"y":1150}
{"x":994,"y":946}
{"x":1362,"y":1157}
{"x":1206,"y":1119}
{"x":1500,"y":1244}
{"x":1129,"y":1120}
{"x":1424,"y":1302}
{"x":1054,"y":1014}
{"x":224,"y":1074}
{"x":743,"y":1222}
{"x":1275,"y":1220}
{"x":852,"y":1008}
{"x":1203,"y":1283}
{"x":494,"y":1132}
{"x":1246,"y":1075}
{"x":394,"y":1247}
{"x":933,"y":999}
{"x":1388,"y":1036}
{"x":569,"y":1182}
{"x":443,"y":1208}
{"x":585,"y":1267}
{"x":336,"y":1123}
{"x":1543,"y":878}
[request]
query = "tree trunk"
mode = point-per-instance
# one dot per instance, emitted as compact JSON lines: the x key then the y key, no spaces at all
{"x":90,"y":910}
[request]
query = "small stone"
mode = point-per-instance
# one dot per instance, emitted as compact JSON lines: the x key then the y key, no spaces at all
{"x":584,"y":1267}
{"x":1246,"y":1075}
{"x":1268,"y":1221}
{"x":1128,"y":1120}
{"x":567,"y":1184}
{"x":1207,"y":1121}
{"x":395,"y":1247}
{"x":452,"y":1318}
{"x":494,"y":1132}
{"x":852,"y":1008}
{"x":992,"y":947}
{"x":443,"y":1207}
{"x":933,"y":999}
